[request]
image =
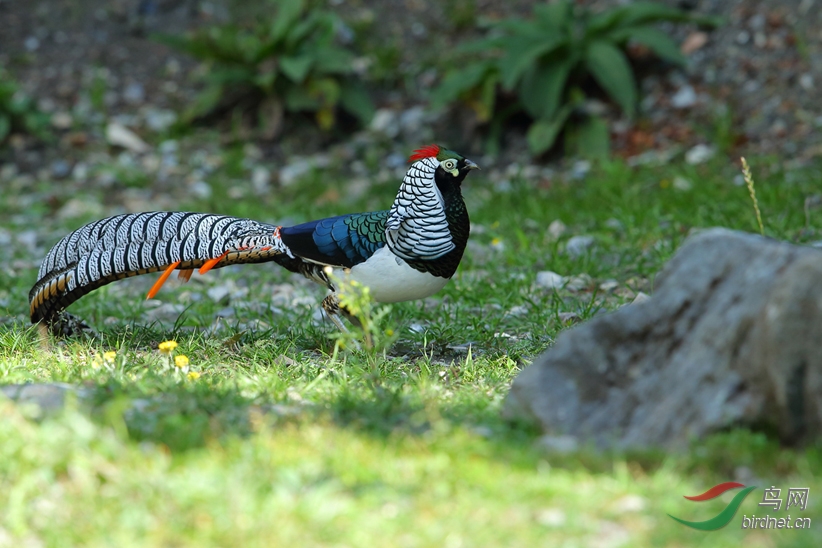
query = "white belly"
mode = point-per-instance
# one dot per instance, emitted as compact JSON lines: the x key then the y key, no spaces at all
{"x":391,"y":280}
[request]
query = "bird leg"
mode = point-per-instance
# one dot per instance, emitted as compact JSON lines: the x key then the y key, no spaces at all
{"x":331,"y":305}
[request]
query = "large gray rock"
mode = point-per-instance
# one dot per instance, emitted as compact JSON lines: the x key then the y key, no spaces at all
{"x":732,"y":335}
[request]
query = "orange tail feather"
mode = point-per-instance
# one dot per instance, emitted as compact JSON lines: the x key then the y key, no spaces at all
{"x":161,"y":280}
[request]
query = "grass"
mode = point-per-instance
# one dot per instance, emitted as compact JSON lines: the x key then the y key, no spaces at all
{"x":281,"y":440}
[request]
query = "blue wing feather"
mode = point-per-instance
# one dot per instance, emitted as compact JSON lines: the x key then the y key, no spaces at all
{"x":344,"y":241}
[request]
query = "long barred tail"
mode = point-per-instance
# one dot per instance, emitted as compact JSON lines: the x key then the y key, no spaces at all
{"x":139,"y":243}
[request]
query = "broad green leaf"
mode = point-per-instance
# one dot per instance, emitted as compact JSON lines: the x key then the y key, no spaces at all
{"x":234,"y":75}
{"x":296,"y":68}
{"x":611,"y":70}
{"x":483,"y":45}
{"x":543,"y":133}
{"x":332,"y":61}
{"x":541,"y":89}
{"x":521,"y":53}
{"x":297,"y":99}
{"x":651,"y":12}
{"x":589,"y":139}
{"x":459,"y":81}
{"x":554,"y":16}
{"x":656,"y":40}
{"x":487,"y":98}
{"x":5,"y":127}
{"x":354,"y":98}
{"x":288,"y":12}
{"x":205,"y":102}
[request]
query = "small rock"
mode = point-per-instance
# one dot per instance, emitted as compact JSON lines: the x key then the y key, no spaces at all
{"x":551,"y":517}
{"x":806,"y":81}
{"x":581,"y":282}
{"x":608,"y":285}
{"x":568,"y":317}
{"x":578,"y":245}
{"x":385,"y":122}
{"x":558,"y":444}
{"x":291,"y":173}
{"x":694,"y":41}
{"x":60,"y":169}
{"x":260,"y":180}
{"x":556,"y":229}
{"x":549,"y":280}
{"x":699,"y":154}
{"x":411,"y":120}
{"x":518,"y":310}
{"x":119,"y":135}
{"x":61,"y":120}
{"x":681,"y":183}
{"x":614,"y":224}
{"x":31,"y":43}
{"x":201,"y":189}
{"x":684,"y":98}
{"x":641,"y":298}
{"x":630,"y":503}
{"x":580,"y":169}
{"x":134,"y":93}
{"x":77,"y":207}
{"x":219,"y":293}
{"x":158,"y":119}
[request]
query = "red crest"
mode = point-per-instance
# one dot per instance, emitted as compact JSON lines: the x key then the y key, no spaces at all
{"x":428,"y":151}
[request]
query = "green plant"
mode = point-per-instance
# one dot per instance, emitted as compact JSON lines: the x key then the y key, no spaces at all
{"x":290,"y":62}
{"x":18,"y":111}
{"x":542,"y":64}
{"x":369,"y":321}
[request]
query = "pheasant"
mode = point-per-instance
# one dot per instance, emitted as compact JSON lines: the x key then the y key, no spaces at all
{"x":404,"y":253}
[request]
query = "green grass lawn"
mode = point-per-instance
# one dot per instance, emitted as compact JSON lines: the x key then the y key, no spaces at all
{"x":273,"y":435}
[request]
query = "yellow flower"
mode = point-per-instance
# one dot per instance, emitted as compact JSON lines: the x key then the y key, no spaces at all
{"x":109,"y":356}
{"x":181,"y":361}
{"x":496,"y":241}
{"x":193,"y":375}
{"x":389,"y":332}
{"x":167,"y":347}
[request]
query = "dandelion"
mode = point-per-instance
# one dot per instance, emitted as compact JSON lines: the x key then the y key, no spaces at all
{"x":167,"y":347}
{"x":181,"y":361}
{"x":109,"y":356}
{"x":193,"y":376}
{"x":495,"y":242}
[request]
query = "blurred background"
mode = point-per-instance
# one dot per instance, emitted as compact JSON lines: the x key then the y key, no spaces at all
{"x":86,"y":84}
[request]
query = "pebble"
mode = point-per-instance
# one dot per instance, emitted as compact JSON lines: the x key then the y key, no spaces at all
{"x":681,"y":183}
{"x":119,"y":135}
{"x":134,"y":93}
{"x":699,"y":154}
{"x":580,"y":282}
{"x":549,"y":280}
{"x":385,"y":122}
{"x":641,"y":298}
{"x":291,"y":173}
{"x":556,"y":229}
{"x":61,"y":120}
{"x":558,"y":444}
{"x":261,"y":180}
{"x":685,"y":97}
{"x":60,"y":169}
{"x":578,"y":245}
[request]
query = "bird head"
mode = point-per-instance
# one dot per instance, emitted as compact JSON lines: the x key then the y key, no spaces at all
{"x":452,"y":168}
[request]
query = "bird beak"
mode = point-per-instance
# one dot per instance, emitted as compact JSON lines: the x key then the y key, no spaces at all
{"x":470,"y":165}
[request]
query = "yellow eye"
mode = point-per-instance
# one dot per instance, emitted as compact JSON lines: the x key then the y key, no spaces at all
{"x":449,"y":164}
